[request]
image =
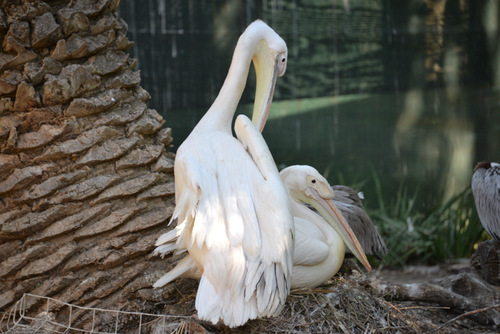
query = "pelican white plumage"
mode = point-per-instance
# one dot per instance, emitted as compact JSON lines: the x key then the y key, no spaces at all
{"x":233,"y":212}
{"x":320,"y":237}
{"x":486,"y":191}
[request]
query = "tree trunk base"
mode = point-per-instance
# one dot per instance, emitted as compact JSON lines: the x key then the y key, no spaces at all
{"x":486,"y":261}
{"x":462,"y":293}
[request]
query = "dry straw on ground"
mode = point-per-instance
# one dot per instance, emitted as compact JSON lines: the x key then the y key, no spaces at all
{"x":340,"y":306}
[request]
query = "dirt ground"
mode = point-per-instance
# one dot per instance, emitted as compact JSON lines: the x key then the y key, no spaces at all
{"x":345,"y":304}
{"x":348,"y":303}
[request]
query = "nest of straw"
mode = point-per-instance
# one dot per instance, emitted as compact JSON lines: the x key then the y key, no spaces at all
{"x":341,"y":305}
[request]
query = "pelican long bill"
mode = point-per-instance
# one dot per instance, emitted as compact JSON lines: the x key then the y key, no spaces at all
{"x":269,"y":64}
{"x":327,"y":209}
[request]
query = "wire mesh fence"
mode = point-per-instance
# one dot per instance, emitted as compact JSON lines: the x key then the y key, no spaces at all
{"x":55,"y":316}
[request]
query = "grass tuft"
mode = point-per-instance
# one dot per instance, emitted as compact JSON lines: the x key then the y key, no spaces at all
{"x":450,"y":230}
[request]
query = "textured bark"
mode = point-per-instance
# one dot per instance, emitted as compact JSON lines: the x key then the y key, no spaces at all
{"x":461,"y":293}
{"x":86,"y":184}
{"x":486,"y":261}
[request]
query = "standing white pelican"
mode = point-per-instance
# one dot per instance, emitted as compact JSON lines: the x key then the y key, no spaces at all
{"x":486,"y":191}
{"x":349,"y":202}
{"x":233,"y":212}
{"x":320,"y":239}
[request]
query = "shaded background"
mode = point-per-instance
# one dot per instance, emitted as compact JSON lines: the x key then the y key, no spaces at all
{"x":404,"y":92}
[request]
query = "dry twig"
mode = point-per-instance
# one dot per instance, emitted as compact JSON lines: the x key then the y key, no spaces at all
{"x":466,"y":314}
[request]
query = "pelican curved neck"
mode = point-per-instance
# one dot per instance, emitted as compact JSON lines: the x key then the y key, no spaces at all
{"x":220,"y":114}
{"x":302,"y":211}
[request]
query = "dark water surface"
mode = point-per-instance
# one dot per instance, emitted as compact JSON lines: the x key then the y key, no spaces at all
{"x":403,"y":90}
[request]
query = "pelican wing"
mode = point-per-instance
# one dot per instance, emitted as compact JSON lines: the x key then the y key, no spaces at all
{"x":185,"y":268}
{"x":347,"y":195}
{"x":236,"y":223}
{"x":275,"y":221}
{"x":273,"y":207}
{"x":349,"y":203}
{"x":486,"y":191}
{"x":311,"y":247}
{"x":495,"y":198}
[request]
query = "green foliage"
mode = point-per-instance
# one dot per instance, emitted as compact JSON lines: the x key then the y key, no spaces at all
{"x":449,"y":230}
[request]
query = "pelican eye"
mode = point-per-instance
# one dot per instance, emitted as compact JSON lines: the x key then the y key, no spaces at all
{"x":283,"y":59}
{"x":313,"y":181}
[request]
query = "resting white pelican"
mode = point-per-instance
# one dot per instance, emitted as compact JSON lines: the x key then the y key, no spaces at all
{"x":349,"y":202}
{"x":233,"y":212}
{"x":486,"y":191}
{"x":320,"y":239}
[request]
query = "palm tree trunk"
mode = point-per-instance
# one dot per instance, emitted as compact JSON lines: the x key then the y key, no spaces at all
{"x":86,"y":184}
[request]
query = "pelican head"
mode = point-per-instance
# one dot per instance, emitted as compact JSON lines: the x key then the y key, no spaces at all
{"x":305,"y":184}
{"x":486,"y":165}
{"x":269,"y":59}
